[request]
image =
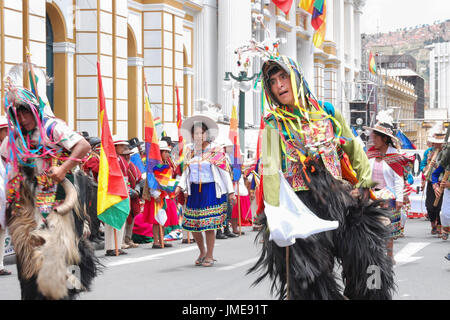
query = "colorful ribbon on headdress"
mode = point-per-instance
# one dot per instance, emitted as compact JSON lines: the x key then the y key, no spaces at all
{"x":21,"y":149}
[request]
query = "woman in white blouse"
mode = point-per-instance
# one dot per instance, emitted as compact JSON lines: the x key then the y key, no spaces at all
{"x":387,"y":173}
{"x":207,"y":185}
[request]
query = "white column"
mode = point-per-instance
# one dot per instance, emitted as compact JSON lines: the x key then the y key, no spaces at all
{"x":305,"y":58}
{"x":349,"y":32}
{"x":205,"y":53}
{"x":69,"y":49}
{"x":329,"y":35}
{"x":339,"y":32}
{"x":290,"y":47}
{"x":234,"y":31}
{"x":357,"y":20}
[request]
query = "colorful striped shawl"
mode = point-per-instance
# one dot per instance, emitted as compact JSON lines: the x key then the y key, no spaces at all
{"x":215,"y":156}
{"x":396,"y":161}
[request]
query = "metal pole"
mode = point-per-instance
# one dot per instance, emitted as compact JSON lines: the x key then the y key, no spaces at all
{"x":242,"y":120}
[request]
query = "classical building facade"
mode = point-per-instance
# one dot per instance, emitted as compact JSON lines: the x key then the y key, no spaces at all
{"x":169,"y":43}
{"x":440,"y":75}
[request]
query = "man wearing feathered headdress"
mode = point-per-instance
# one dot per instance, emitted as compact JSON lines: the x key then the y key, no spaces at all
{"x":325,"y":166}
{"x":46,"y":221}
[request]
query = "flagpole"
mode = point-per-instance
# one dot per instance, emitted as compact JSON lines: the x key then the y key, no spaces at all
{"x":161,"y":236}
{"x":239,"y":209}
{"x":115,"y":242}
{"x":287,"y":273}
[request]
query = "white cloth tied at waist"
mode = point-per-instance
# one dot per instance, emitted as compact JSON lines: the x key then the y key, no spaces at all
{"x":292,"y":219}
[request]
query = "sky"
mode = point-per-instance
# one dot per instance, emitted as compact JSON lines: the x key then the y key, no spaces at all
{"x":389,"y":15}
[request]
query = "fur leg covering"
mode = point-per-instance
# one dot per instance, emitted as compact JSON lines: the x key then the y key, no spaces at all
{"x":57,"y":255}
{"x":89,"y":264}
{"x":311,"y":274}
{"x":367,"y":269}
{"x":359,"y":242}
{"x":54,"y":260}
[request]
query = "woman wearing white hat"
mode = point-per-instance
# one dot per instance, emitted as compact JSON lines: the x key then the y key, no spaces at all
{"x":207,"y":184}
{"x":387,"y":171}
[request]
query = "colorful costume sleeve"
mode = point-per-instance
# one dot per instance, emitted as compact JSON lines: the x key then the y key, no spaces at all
{"x":271,"y":157}
{"x":356,"y":154}
{"x":436,"y":173}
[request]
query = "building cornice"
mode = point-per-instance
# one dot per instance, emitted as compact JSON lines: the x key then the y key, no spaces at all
{"x":157,"y":7}
{"x":188,"y":71}
{"x":302,"y":33}
{"x":64,"y":47}
{"x":135,"y":62}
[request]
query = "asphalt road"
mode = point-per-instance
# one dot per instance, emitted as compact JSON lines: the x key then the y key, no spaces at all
{"x":169,"y":274}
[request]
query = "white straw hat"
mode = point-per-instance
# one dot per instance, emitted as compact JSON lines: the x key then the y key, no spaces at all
{"x":186,"y":127}
{"x":120,"y":140}
{"x":163,"y":145}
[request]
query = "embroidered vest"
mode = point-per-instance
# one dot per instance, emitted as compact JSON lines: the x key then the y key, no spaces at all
{"x":318,"y":141}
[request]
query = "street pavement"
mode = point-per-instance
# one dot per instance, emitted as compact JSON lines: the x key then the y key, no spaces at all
{"x":144,"y":273}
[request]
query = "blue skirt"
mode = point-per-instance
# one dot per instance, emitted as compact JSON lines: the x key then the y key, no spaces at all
{"x":203,"y":210}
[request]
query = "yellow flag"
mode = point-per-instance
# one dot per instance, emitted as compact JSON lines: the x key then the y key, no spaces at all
{"x":307,"y":5}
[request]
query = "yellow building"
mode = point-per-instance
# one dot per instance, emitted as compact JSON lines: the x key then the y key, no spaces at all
{"x":132,"y":40}
{"x":168,"y":43}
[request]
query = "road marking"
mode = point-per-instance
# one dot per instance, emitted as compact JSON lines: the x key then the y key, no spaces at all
{"x":149,"y":257}
{"x":404,"y":256}
{"x":237,"y":265}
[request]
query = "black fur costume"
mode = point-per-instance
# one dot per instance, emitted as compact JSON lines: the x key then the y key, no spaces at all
{"x":357,"y":243}
{"x":26,"y":241}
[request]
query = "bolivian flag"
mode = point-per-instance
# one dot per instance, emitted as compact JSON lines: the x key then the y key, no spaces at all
{"x":234,"y":137}
{"x":152,"y":151}
{"x":113,"y":203}
{"x":372,"y":64}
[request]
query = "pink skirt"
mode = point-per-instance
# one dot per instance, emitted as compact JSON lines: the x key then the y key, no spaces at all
{"x":171,"y":211}
{"x":246,"y":211}
{"x":141,"y":227}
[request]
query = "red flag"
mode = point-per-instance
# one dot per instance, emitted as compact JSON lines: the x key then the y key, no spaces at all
{"x":115,"y":181}
{"x":283,"y":5}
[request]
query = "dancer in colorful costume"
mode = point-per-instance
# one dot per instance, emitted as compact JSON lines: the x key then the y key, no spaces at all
{"x":46,"y":201}
{"x":313,"y":147}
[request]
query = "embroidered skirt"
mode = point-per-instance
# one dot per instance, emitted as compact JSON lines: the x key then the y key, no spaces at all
{"x":203,"y":210}
{"x":396,"y":226}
